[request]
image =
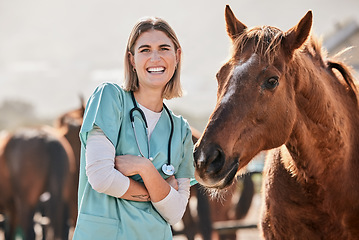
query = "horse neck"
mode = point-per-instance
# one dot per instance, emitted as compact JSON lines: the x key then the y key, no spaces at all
{"x":322,"y":141}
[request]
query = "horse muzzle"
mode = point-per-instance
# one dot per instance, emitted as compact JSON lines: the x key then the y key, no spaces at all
{"x":212,"y":169}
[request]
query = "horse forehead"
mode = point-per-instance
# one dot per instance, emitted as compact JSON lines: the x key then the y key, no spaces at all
{"x":242,"y":67}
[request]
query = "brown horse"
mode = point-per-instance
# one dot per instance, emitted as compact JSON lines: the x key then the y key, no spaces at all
{"x":42,"y":152}
{"x":279,"y":92}
{"x":34,"y":161}
{"x":68,"y":125}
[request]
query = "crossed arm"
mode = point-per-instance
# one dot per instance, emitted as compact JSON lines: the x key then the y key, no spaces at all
{"x":155,"y":187}
{"x":109,"y":174}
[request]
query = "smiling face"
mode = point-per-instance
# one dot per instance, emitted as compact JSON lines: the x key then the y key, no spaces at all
{"x":154,"y":58}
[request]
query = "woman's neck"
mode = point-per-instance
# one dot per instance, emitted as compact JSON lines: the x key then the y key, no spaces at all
{"x":151,"y":100}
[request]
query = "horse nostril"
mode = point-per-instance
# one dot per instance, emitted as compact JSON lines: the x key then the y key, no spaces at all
{"x":215,"y":161}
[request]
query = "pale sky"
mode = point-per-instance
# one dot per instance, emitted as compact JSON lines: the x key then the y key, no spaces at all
{"x":53,"y":50}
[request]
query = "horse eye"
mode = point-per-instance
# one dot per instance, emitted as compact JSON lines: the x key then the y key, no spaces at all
{"x":271,"y":83}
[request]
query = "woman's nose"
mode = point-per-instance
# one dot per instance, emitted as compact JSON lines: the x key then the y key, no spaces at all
{"x":155,"y":56}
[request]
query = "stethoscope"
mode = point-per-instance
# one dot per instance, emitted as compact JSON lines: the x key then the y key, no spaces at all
{"x":167,"y":168}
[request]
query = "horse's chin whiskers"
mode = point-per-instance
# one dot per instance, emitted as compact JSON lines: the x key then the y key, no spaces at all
{"x":214,"y":193}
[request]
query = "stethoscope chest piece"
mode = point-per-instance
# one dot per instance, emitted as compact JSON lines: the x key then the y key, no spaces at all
{"x":169,"y":170}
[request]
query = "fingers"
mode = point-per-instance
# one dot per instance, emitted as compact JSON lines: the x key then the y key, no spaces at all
{"x":172,"y":181}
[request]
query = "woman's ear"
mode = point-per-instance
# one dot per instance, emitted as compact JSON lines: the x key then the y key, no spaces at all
{"x":131,"y":59}
{"x":178,"y":55}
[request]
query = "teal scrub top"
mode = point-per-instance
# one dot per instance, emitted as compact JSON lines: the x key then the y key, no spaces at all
{"x":102,"y":216}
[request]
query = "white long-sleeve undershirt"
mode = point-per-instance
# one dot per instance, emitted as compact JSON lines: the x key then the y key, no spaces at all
{"x":173,"y":206}
{"x":100,"y":165}
{"x":104,"y":178}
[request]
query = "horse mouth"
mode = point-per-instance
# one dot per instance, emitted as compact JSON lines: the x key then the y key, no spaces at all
{"x":226,"y":180}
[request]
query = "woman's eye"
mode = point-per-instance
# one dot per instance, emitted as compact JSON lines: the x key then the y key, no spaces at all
{"x":165,"y":49}
{"x":271,"y":83}
{"x":145,"y":50}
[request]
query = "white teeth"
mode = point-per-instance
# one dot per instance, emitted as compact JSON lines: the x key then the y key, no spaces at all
{"x":156,"y":69}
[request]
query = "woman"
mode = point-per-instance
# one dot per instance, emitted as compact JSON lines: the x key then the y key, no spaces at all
{"x":135,"y":180}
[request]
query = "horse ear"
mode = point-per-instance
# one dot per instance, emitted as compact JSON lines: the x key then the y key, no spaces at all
{"x":233,"y":25}
{"x":297,"y":35}
{"x":83,"y":104}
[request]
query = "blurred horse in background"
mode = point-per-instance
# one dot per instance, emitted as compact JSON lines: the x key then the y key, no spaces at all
{"x":35,"y":161}
{"x":68,"y":125}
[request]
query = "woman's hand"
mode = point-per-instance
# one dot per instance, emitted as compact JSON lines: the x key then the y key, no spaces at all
{"x":156,"y":186}
{"x":130,"y":165}
{"x":172,"y":181}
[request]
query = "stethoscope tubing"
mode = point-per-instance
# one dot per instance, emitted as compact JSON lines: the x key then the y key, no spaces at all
{"x":168,"y":169}
{"x":170,"y":137}
{"x":132,"y":118}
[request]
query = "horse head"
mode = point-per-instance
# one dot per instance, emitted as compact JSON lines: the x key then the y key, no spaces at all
{"x":69,"y":123}
{"x":255,"y":96}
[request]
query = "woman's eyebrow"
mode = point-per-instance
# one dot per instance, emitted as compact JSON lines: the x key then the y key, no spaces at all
{"x":144,"y":46}
{"x":165,"y":45}
{"x":161,"y":46}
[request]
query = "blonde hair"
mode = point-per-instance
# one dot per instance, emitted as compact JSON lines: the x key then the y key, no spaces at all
{"x":173,"y":87}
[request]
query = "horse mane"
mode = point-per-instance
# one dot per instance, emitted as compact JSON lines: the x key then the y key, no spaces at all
{"x":267,"y":41}
{"x":314,"y":48}
{"x":347,"y":76}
